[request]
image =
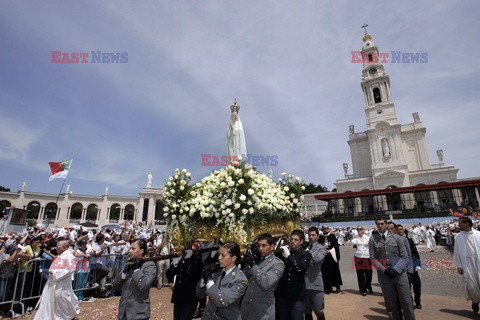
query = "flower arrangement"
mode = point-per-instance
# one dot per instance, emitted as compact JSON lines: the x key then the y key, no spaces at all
{"x":232,"y":202}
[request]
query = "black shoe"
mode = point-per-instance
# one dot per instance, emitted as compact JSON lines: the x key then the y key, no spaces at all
{"x":328,"y":291}
{"x":338,"y":290}
{"x":198,"y":314}
{"x":308,"y":316}
{"x":364,"y":294}
{"x":370,"y":291}
{"x":418,"y":306}
{"x":321,"y":316}
{"x":475,"y":307}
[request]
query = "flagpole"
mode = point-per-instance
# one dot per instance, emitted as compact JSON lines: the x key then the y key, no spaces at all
{"x":47,"y":222}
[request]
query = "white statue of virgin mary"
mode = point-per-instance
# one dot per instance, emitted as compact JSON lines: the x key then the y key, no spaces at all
{"x":236,"y":145}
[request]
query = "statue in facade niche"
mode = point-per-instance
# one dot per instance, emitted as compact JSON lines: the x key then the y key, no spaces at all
{"x":351,"y":129}
{"x":386,"y":148}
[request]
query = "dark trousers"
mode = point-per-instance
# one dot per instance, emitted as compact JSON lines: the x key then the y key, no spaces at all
{"x":290,"y":309}
{"x":417,"y":286}
{"x":184,"y":311}
{"x":100,"y":272}
{"x":364,"y":274}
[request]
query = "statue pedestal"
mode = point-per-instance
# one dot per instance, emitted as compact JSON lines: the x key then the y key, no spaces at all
{"x":183,"y":239}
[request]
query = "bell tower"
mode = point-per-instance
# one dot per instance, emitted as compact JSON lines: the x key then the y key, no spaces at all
{"x":388,"y":165}
{"x":375,"y":84}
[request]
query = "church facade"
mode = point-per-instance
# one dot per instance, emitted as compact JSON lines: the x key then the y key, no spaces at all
{"x":391,"y":168}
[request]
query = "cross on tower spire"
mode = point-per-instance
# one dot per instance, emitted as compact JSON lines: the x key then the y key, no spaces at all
{"x":365,"y":27}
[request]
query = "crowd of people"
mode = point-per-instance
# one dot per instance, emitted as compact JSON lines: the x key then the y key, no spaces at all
{"x":275,"y":278}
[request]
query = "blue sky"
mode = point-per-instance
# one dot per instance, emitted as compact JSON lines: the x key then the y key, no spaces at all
{"x":287,"y":63}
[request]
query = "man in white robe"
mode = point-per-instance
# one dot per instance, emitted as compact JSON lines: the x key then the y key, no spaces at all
{"x":58,"y":301}
{"x":467,"y":260}
{"x":430,"y":239}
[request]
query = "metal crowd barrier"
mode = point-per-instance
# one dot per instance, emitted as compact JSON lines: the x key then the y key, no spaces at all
{"x":24,"y":289}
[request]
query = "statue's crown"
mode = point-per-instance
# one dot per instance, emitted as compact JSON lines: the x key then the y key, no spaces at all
{"x":235,"y":107}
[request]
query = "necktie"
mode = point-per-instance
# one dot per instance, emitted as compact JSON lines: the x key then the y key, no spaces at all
{"x":222,"y":276}
{"x":383,"y":236}
{"x":310,"y":246}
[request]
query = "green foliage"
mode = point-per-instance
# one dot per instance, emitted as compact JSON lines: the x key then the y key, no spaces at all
{"x":4,"y":189}
{"x":312,"y":188}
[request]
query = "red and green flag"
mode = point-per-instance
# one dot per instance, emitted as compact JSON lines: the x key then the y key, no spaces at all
{"x":59,"y":169}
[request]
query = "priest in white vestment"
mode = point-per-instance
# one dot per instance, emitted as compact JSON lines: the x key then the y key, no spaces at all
{"x":58,"y":301}
{"x":467,"y":260}
{"x":430,"y":239}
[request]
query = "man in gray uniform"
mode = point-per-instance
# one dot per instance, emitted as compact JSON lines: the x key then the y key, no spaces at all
{"x":259,"y":300}
{"x":389,"y":256}
{"x":315,"y":299}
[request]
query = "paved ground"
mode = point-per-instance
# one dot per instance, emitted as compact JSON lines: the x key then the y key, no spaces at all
{"x":442,"y":296}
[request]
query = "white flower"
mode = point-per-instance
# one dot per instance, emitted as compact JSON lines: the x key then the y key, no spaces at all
{"x":174,"y":216}
{"x":231,"y":183}
{"x":250,"y":191}
{"x":251,"y":210}
{"x":231,"y":215}
{"x":292,"y":195}
{"x":228,"y":202}
{"x":182,"y":188}
{"x":170,"y":178}
{"x":285,"y":189}
{"x":241,"y":181}
{"x":302,"y":197}
{"x":244,"y":211}
{"x":236,"y":206}
{"x":188,"y":174}
{"x":243,"y":197}
{"x":284,"y":174}
{"x":303,"y":188}
{"x":295,"y":200}
{"x":297,"y":178}
{"x":172,"y":192}
{"x":184,"y":171}
{"x":165,"y":209}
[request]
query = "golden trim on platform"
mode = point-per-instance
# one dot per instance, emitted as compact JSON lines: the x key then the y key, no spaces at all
{"x":239,"y":235}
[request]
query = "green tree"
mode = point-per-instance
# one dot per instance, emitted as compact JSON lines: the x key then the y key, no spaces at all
{"x":312,"y":188}
{"x":4,"y":189}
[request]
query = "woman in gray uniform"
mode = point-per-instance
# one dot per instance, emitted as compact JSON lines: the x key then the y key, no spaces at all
{"x":224,"y":287}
